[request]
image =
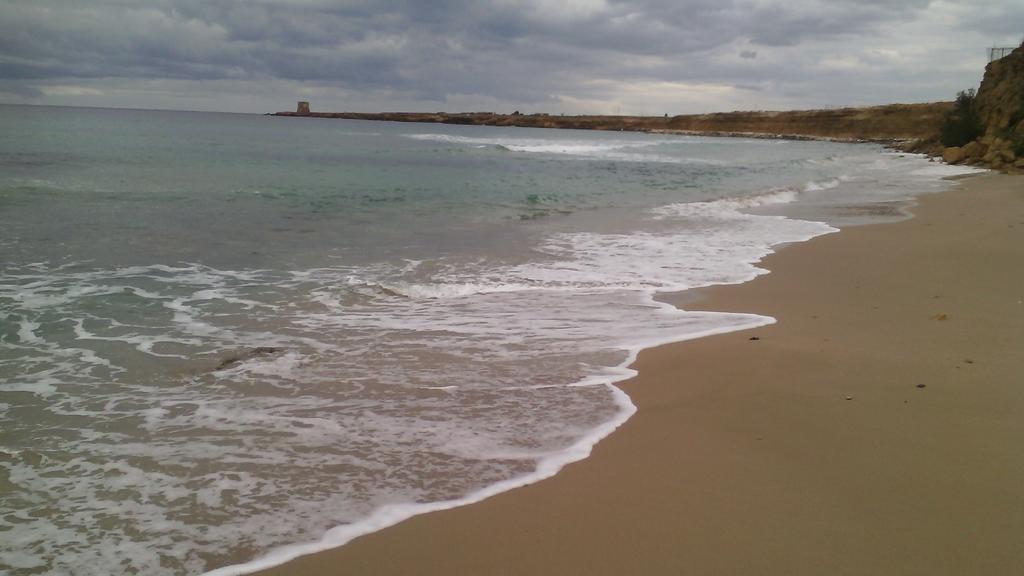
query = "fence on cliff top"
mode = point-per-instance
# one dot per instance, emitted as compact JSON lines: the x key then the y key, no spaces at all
{"x":997,"y":52}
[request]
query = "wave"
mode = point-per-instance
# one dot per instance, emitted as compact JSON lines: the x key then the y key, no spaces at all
{"x":545,"y":467}
{"x":586,"y":266}
{"x":613,"y":150}
{"x":542,"y":145}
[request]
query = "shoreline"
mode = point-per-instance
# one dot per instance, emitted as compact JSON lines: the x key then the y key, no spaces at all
{"x":899,"y":143}
{"x":648,"y":505}
{"x":891,"y":124}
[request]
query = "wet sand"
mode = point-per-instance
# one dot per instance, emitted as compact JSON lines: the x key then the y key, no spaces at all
{"x":877,"y":428}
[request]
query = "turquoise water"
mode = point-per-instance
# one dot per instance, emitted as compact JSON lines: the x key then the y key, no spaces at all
{"x":225,"y":334}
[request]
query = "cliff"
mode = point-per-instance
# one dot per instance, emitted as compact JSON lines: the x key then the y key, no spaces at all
{"x":1001,"y":96}
{"x":890,"y":123}
{"x":877,"y":123}
{"x":1000,"y":109}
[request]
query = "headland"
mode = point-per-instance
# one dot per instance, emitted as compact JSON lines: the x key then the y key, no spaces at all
{"x":887,"y":124}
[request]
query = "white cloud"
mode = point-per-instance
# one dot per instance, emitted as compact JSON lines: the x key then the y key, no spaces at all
{"x":67,"y":90}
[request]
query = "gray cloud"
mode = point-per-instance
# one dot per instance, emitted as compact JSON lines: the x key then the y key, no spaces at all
{"x":20,"y":90}
{"x":584,"y":53}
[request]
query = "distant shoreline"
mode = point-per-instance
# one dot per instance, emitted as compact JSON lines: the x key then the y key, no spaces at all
{"x":889,"y":124}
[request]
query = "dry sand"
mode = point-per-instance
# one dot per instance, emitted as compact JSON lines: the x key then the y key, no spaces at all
{"x":812,"y":450}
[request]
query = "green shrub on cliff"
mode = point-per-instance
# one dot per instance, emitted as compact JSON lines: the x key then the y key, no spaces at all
{"x":1016,"y":128}
{"x":962,"y":124}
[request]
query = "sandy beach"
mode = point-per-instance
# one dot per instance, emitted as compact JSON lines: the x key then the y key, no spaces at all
{"x":875,"y":429}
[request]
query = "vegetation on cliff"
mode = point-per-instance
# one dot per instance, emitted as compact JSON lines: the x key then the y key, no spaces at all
{"x":963,"y":124}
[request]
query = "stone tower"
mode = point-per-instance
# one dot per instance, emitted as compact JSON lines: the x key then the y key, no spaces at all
{"x":303,"y":108}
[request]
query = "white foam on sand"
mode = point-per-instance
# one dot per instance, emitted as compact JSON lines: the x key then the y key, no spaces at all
{"x":546,"y":466}
{"x":642,"y":264}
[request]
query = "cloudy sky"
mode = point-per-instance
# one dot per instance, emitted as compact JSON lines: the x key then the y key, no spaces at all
{"x":556,"y":56}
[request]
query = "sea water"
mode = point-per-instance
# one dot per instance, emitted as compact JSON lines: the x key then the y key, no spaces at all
{"x":226,"y":340}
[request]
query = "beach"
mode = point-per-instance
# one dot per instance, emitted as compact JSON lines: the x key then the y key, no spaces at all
{"x":525,"y":288}
{"x":331,"y":327}
{"x":874,"y":429}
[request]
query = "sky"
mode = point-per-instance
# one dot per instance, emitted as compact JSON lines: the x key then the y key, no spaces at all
{"x":642,"y":57}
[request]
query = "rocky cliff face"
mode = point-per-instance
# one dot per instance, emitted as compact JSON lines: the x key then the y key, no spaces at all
{"x":1000,"y":105}
{"x":1001,"y":95}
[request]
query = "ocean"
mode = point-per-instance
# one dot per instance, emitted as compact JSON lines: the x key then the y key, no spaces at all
{"x":229,"y":339}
